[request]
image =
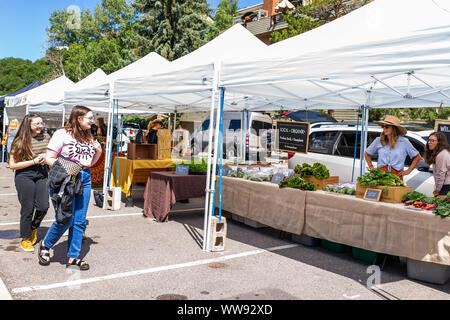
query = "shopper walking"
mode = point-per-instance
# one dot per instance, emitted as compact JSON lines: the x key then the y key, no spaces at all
{"x":392,"y":149}
{"x":70,"y":149}
{"x":437,"y":153}
{"x":27,"y":156}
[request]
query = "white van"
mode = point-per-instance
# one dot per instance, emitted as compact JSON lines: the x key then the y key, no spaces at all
{"x":233,"y":138}
{"x":334,"y":146}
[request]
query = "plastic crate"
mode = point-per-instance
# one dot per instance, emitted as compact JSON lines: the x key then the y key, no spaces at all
{"x":334,"y":246}
{"x":427,"y":271}
{"x":364,"y":255}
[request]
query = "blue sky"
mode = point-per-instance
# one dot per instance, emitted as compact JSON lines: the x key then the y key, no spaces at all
{"x":23,"y":23}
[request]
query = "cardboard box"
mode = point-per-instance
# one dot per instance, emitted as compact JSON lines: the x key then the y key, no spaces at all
{"x":142,"y":151}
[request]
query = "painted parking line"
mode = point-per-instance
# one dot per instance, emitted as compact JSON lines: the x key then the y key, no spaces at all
{"x":4,"y":293}
{"x":116,"y":215}
{"x":151,"y":270}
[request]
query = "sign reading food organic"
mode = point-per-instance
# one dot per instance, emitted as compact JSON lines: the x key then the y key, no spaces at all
{"x":293,"y":136}
{"x":443,"y":126}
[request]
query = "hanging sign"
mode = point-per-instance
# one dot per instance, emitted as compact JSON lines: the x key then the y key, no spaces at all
{"x":293,"y":136}
{"x":443,"y":126}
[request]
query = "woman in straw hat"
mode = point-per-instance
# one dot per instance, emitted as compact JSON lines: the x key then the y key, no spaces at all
{"x":392,"y":148}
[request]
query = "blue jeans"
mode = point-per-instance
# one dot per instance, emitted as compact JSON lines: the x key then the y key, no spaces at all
{"x":77,"y":223}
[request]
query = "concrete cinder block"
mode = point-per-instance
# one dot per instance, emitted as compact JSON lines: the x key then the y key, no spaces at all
{"x":113,"y":198}
{"x":427,"y":271}
{"x":218,"y":233}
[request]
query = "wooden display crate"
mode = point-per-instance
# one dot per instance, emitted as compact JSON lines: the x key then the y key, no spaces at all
{"x":142,"y":151}
{"x":147,"y":151}
{"x":394,"y":194}
{"x":321,"y":183}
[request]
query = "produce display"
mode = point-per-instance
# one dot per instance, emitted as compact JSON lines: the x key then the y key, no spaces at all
{"x":344,"y":188}
{"x":195,"y":167}
{"x":378,"y":177}
{"x":254,"y":173}
{"x":317,"y":170}
{"x":439,"y":206}
{"x":297,"y":183}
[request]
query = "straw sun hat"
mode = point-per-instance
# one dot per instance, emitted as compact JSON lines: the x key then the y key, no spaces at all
{"x":392,"y":121}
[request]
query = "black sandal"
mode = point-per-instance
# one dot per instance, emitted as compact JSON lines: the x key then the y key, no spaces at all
{"x":78,"y":263}
{"x":43,"y":252}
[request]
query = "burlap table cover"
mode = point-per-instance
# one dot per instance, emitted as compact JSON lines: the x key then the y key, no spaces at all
{"x":163,"y":189}
{"x":135,"y":171}
{"x":377,"y":226}
{"x":264,"y":202}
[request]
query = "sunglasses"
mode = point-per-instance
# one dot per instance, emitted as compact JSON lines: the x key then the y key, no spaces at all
{"x":384,"y":126}
{"x":431,"y":140}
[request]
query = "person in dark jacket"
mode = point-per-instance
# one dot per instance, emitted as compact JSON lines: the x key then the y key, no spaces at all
{"x":27,"y":158}
{"x":75,"y":143}
{"x":151,"y":134}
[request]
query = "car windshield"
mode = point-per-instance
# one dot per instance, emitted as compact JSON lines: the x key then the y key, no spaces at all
{"x":311,"y":116}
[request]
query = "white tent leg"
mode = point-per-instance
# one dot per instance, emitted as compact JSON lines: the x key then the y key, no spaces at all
{"x":107,"y":154}
{"x":5,"y":119}
{"x":208,"y":175}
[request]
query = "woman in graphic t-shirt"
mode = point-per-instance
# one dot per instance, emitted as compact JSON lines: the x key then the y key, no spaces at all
{"x":73,"y":142}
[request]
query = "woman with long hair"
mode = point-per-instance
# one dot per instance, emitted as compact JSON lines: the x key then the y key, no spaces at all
{"x":392,"y":149}
{"x":437,"y":153}
{"x":73,"y":143}
{"x":27,"y":157}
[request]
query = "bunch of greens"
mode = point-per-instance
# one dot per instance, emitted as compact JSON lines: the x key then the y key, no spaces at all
{"x":317,"y":170}
{"x":443,"y":207}
{"x":339,"y":189}
{"x":378,"y":177}
{"x":417,"y":196}
{"x":297,"y":183}
{"x":194,"y":167}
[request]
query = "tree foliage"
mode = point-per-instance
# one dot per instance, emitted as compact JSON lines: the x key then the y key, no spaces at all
{"x":173,"y":28}
{"x":17,"y":73}
{"x":314,"y":14}
{"x":226,"y":10}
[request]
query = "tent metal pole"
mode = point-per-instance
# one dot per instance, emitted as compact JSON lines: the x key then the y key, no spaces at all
{"x":209,"y":177}
{"x":361,"y":149}
{"x":107,"y":157}
{"x":222,"y":96}
{"x":5,"y":118}
{"x":214,"y":168}
{"x":356,"y":145}
{"x":111,"y":146}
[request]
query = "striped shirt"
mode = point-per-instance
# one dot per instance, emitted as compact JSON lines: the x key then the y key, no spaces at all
{"x":39,"y":144}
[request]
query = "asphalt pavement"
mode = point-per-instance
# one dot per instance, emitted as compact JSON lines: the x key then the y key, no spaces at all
{"x":136,"y":258}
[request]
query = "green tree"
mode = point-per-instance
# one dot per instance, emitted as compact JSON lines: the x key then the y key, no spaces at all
{"x":226,"y":11}
{"x":314,"y":14}
{"x":106,"y":39}
{"x":17,"y":73}
{"x":173,"y":28}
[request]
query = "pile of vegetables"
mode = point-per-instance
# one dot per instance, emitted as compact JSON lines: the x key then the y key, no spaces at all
{"x":343,"y":189}
{"x":195,"y":167}
{"x":297,"y":183}
{"x":439,"y":206}
{"x":378,"y":177}
{"x":317,"y":170}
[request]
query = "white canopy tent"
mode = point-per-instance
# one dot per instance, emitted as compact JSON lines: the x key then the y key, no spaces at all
{"x":47,"y":99}
{"x":389,"y":53}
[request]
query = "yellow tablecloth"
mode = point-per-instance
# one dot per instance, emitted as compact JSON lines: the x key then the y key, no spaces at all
{"x":136,"y":171}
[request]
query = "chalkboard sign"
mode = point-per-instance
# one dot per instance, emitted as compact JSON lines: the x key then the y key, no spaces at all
{"x":293,"y":136}
{"x":444,"y":127}
{"x":181,"y":169}
{"x":373,"y":194}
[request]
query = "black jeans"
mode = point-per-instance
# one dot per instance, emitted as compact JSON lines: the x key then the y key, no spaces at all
{"x":444,"y":190}
{"x":31,"y":186}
